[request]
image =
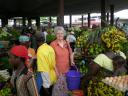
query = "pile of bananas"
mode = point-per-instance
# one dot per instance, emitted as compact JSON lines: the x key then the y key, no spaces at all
{"x":101,"y":89}
{"x":95,"y":49}
{"x":112,"y":37}
{"x":82,"y":39}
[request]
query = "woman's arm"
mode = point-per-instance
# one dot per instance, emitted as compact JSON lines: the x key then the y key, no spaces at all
{"x":71,"y":55}
{"x":72,"y":59}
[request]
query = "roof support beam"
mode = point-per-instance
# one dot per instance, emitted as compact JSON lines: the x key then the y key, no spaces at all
{"x":23,"y":21}
{"x":89,"y":20}
{"x":112,"y":14}
{"x":103,"y":13}
{"x":29,"y":21}
{"x":38,"y":22}
{"x":108,"y":18}
{"x":4,"y":21}
{"x":82,"y":20}
{"x":70,"y":18}
{"x":60,"y":19}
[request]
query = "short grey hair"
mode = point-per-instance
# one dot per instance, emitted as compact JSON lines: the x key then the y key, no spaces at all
{"x":59,"y":28}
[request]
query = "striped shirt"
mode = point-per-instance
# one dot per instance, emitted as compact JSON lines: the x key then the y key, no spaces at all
{"x":23,"y":84}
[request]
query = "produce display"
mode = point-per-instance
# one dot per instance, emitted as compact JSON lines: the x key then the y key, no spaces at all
{"x":101,"y":89}
{"x":4,"y":35}
{"x":94,"y":42}
{"x":5,"y":91}
{"x":77,"y":31}
{"x":89,"y":44}
{"x":4,"y":74}
{"x":82,"y":39}
{"x":90,"y":40}
{"x":113,"y":38}
{"x":118,"y":82}
{"x":95,"y":49}
{"x":94,"y":36}
{"x":14,"y":32}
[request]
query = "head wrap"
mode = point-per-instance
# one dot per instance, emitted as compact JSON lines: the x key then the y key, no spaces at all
{"x":20,"y":51}
{"x":24,"y":38}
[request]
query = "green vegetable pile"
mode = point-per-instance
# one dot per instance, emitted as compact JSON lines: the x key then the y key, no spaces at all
{"x":101,"y":89}
{"x":5,"y":91}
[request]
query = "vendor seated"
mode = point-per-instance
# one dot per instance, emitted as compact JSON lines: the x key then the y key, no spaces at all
{"x":105,"y":65}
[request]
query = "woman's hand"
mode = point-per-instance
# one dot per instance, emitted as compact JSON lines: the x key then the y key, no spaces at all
{"x":72,"y":63}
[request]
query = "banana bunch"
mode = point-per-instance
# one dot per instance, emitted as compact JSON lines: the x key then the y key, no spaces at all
{"x":95,"y":49}
{"x":80,"y":42}
{"x":113,"y":37}
{"x":101,"y":89}
{"x":82,"y":39}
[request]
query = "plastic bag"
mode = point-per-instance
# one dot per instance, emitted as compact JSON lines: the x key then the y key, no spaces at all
{"x":60,"y":88}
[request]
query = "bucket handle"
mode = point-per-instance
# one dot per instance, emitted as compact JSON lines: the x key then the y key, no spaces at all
{"x":75,"y":68}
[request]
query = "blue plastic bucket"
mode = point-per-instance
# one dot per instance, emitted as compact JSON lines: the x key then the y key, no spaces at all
{"x":73,"y":80}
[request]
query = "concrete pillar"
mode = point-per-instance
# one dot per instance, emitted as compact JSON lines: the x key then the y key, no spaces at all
{"x":103,"y":13}
{"x":112,"y":14}
{"x":23,"y":21}
{"x":29,"y":21}
{"x":108,"y":18}
{"x":89,"y":20}
{"x":82,"y":20}
{"x":14,"y":23}
{"x":60,"y":18}
{"x":50,"y":22}
{"x":38,"y":22}
{"x":4,"y":21}
{"x":50,"y":19}
{"x":70,"y":18}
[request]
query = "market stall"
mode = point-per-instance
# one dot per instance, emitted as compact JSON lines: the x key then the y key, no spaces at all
{"x":90,"y":44}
